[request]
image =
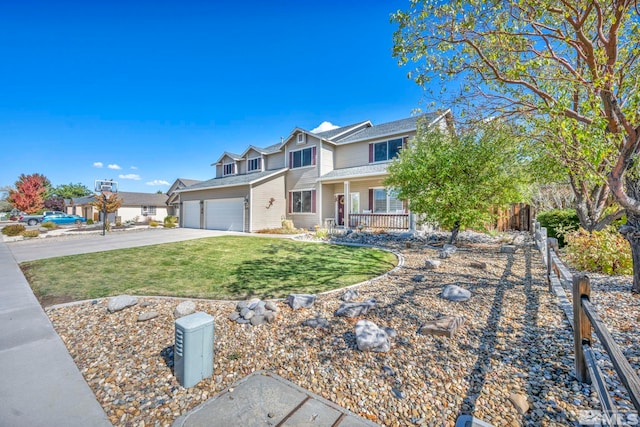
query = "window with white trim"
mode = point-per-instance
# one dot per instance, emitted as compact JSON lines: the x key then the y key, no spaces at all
{"x":148,"y":210}
{"x":302,"y":158}
{"x":386,"y":201}
{"x":302,"y":201}
{"x":254,"y":165}
{"x":302,"y":138}
{"x":229,"y":169}
{"x":384,"y":151}
{"x":355,"y":203}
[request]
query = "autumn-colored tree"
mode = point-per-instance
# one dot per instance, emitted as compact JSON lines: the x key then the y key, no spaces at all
{"x":30,"y":193}
{"x":113,"y":202}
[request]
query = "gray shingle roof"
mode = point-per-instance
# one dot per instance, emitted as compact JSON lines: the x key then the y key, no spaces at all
{"x":329,"y":134}
{"x":232,"y":181}
{"x":130,"y":199}
{"x":374,"y":169}
{"x":390,"y":128}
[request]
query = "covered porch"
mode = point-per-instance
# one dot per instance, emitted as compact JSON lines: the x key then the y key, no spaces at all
{"x":362,"y":203}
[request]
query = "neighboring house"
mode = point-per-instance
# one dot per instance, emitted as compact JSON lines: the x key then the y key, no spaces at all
{"x":173,"y":201}
{"x":310,"y":178}
{"x":135,"y":206}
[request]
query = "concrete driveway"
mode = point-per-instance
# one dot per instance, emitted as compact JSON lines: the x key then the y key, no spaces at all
{"x":50,"y":247}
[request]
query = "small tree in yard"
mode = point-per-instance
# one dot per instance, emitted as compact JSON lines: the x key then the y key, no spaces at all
{"x":30,"y":193}
{"x":113,"y":203}
{"x":456,"y":180}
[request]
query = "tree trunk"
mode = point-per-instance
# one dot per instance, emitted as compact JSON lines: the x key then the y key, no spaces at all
{"x":454,"y":233}
{"x":631,"y":230}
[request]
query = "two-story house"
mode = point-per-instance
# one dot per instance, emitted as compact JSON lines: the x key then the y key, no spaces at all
{"x":310,"y":178}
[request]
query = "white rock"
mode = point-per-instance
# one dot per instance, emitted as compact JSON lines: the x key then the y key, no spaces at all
{"x":121,"y":302}
{"x":184,"y":308}
{"x":455,"y":293}
{"x":431,"y":264}
{"x":369,"y":337}
{"x":297,"y":301}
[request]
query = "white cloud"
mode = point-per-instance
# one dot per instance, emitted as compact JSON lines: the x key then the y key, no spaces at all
{"x":97,"y":164}
{"x":324,"y":126}
{"x":134,"y":168}
{"x":157,"y":182}
{"x":132,"y":176}
{"x":116,"y":167}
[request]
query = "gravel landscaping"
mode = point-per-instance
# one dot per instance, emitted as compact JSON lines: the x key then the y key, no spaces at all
{"x":510,"y":362}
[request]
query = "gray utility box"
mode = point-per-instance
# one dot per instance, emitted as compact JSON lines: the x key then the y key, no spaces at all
{"x":193,"y":354}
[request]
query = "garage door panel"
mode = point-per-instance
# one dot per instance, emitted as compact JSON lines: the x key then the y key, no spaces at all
{"x":191,"y":214}
{"x":225,"y":214}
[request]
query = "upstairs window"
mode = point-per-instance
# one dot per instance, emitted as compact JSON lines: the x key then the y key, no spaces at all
{"x":254,"y":165}
{"x":229,"y":169}
{"x":384,"y":151}
{"x":302,"y":158}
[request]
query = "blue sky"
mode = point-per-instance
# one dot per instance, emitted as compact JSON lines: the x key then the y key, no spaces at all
{"x":146,"y":92}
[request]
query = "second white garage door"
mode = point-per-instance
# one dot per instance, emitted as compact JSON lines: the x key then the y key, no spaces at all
{"x":225,"y":214}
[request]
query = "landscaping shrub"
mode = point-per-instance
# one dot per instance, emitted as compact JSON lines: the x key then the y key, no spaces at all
{"x":49,"y":225}
{"x":559,"y":222}
{"x":30,"y":233}
{"x":605,"y":251}
{"x":89,"y":221}
{"x":153,"y":223}
{"x":170,"y":221}
{"x":322,"y":233}
{"x":13,"y":230}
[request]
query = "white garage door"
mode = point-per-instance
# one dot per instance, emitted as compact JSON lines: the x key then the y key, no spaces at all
{"x":225,"y":214}
{"x":191,"y":214}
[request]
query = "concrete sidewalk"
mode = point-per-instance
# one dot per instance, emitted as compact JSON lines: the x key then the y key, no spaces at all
{"x":41,"y":385}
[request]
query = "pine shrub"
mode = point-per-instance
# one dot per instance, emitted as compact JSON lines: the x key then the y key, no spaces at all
{"x":49,"y":225}
{"x":13,"y":230}
{"x":30,"y":233}
{"x":605,"y":251}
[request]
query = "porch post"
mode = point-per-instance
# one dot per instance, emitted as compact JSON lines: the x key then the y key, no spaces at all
{"x":412,"y":222}
{"x":347,"y":205}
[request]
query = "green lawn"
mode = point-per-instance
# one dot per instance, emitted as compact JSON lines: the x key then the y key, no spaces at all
{"x":228,"y":267}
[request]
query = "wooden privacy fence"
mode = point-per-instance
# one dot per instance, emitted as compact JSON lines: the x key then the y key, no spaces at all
{"x":582,"y":314}
{"x":516,"y":217}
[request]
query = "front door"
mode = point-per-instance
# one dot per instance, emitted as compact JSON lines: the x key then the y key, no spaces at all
{"x":340,"y":209}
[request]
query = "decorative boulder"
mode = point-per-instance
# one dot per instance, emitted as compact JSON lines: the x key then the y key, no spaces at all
{"x":318,"y":322}
{"x":445,"y":326}
{"x":184,"y":309}
{"x":369,"y":337}
{"x":455,"y":293}
{"x":418,"y":278}
{"x":350,"y":295}
{"x":431,"y":264}
{"x":355,"y":309}
{"x":143,"y":317}
{"x":508,"y":249}
{"x":271,"y":306}
{"x":297,"y":301}
{"x":121,"y":302}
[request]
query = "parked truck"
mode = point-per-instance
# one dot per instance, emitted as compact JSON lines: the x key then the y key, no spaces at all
{"x":36,"y":219}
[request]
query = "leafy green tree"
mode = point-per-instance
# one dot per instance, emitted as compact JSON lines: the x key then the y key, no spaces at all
{"x":457,"y":180}
{"x":570,"y":65}
{"x":69,"y":191}
{"x":5,"y":205}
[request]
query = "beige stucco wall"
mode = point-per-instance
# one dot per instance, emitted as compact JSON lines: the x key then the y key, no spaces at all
{"x":267,"y":213}
{"x":128,"y":213}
